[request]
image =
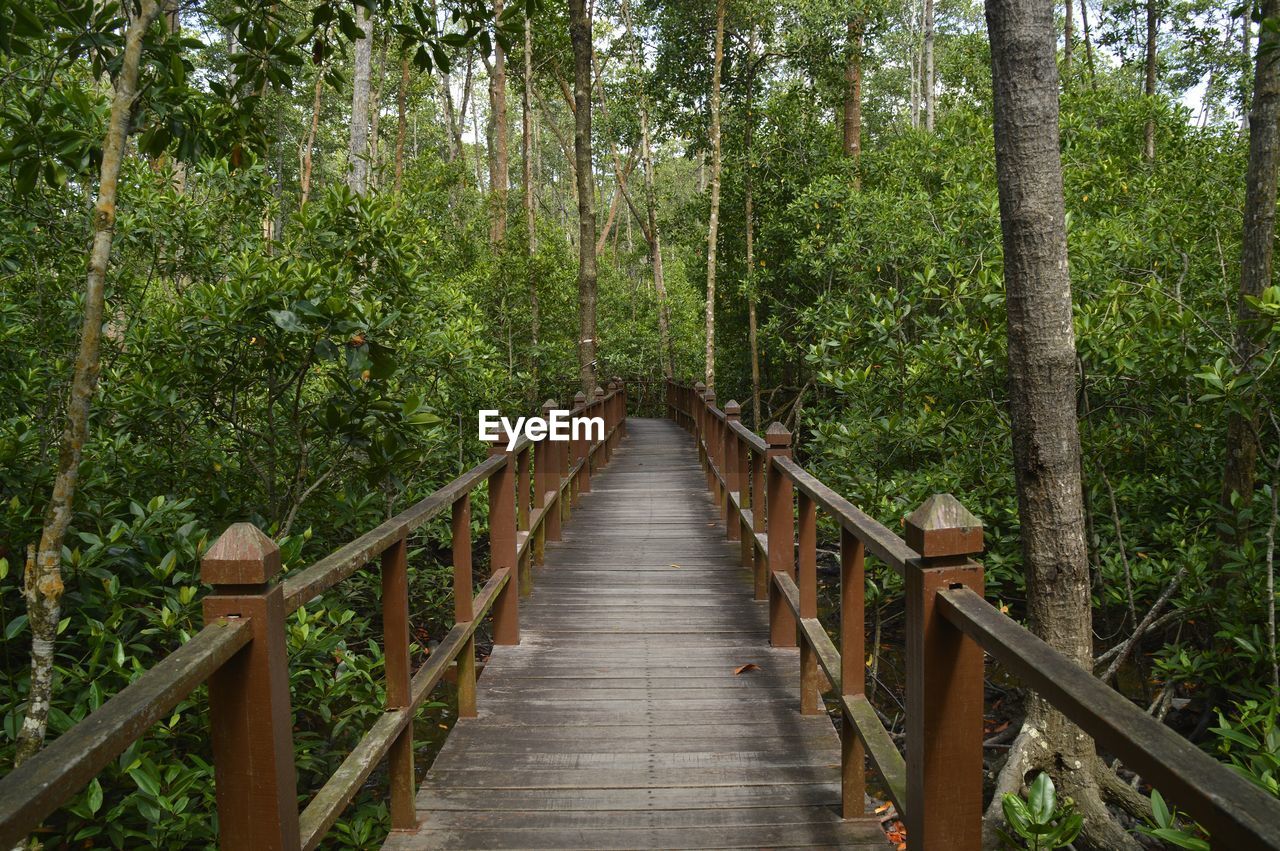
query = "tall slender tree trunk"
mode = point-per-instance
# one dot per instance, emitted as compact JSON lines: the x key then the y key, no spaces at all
{"x":748,"y":204}
{"x":402,"y":118}
{"x":1088,"y":43}
{"x":713,"y":220}
{"x":580,"y":37}
{"x":1149,"y":84}
{"x":1042,"y":378}
{"x":1246,"y":53}
{"x":1067,"y":37}
{"x":42,"y":580}
{"x":501,"y":157}
{"x":929,"y":93}
{"x":530,"y":222}
{"x":654,"y":238}
{"x":856,"y":29}
{"x":308,"y":147}
{"x":1256,"y":258}
{"x":362,"y":70}
{"x":375,"y":118}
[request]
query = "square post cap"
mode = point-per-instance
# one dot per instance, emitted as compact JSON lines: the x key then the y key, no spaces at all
{"x":579,"y":397}
{"x":599,"y":392}
{"x":549,"y":406}
{"x":242,"y":555}
{"x":732,"y":410}
{"x":777,"y":436}
{"x":941,"y":527}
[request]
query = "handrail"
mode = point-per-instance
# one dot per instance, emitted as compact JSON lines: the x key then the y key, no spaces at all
{"x":240,"y":653}
{"x":937,"y":789}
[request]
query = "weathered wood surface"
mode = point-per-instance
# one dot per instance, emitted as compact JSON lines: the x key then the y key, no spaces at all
{"x":618,"y":722}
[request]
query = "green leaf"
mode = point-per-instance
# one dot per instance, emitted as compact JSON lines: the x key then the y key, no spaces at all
{"x":95,"y":795}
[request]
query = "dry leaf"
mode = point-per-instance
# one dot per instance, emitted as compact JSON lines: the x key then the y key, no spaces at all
{"x":676,"y":566}
{"x":750,"y":666}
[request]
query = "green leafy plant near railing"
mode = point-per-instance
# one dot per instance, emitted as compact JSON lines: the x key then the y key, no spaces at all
{"x":1167,"y":825}
{"x":1040,"y":821}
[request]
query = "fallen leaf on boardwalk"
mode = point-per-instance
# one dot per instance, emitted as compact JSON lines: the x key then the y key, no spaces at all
{"x":750,"y":666}
{"x":881,"y":808}
{"x":676,"y":566}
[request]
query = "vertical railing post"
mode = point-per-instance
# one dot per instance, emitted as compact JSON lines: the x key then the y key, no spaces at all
{"x":807,"y":579}
{"x":502,"y":546}
{"x":853,"y":672}
{"x":582,"y":449}
{"x":395,"y":656}
{"x":781,"y":531}
{"x":522,"y":519}
{"x":709,"y":439}
{"x":552,"y":475}
{"x":746,"y":500}
{"x":621,"y":402}
{"x":729,"y":453}
{"x":250,"y":717}
{"x":698,"y":407}
{"x":602,"y":411}
{"x":944,"y":682}
{"x":759,"y":512}
{"x":463,"y":589}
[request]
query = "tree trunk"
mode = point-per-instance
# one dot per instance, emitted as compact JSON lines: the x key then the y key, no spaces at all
{"x":713,"y":220}
{"x":402,"y":118}
{"x":376,"y":113}
{"x":308,"y":148}
{"x":1088,"y":43}
{"x":853,"y":88}
{"x":1256,"y":256}
{"x":1042,"y":378}
{"x":1246,"y":52}
{"x":42,"y":580}
{"x":1149,"y":87}
{"x":1067,"y":36}
{"x":654,"y":238}
{"x":501,"y":157}
{"x":580,"y":36}
{"x":748,"y":200}
{"x":929,"y":94}
{"x":530,"y":222}
{"x":358,"y":149}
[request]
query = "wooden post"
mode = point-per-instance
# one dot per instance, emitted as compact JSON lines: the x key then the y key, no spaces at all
{"x":698,"y":408}
{"x":729,"y":454}
{"x":553,"y":475}
{"x":522,"y":520}
{"x":582,"y":448}
{"x":602,"y":411}
{"x":463,"y":590}
{"x":250,"y":717}
{"x":746,"y":500}
{"x":944,"y":682}
{"x":758,"y":514}
{"x":621,"y":401}
{"x":709,"y":435}
{"x":502,"y":547}
{"x":810,"y":676}
{"x":395,"y":654}
{"x":781,"y":531}
{"x":853,"y":672}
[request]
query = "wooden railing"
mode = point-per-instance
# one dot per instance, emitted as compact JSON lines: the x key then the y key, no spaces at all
{"x":241,"y":651}
{"x":938,"y":787}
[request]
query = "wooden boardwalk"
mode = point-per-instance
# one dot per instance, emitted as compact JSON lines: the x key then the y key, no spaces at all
{"x":619,"y":720}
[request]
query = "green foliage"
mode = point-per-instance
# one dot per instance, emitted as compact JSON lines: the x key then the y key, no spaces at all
{"x":1039,"y":822}
{"x":1250,"y":742}
{"x":1165,"y":826}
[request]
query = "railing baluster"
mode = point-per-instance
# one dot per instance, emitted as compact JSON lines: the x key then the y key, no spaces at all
{"x":463,"y":590}
{"x":581,"y":450}
{"x":944,"y":682}
{"x":729,"y":452}
{"x":522,"y":519}
{"x":746,"y":500}
{"x":602,"y":411}
{"x":781,"y":531}
{"x":395,"y":654}
{"x":810,"y":676}
{"x":250,"y":718}
{"x":502,"y":547}
{"x":853,"y":670}
{"x":709,"y":438}
{"x":759,"y":515}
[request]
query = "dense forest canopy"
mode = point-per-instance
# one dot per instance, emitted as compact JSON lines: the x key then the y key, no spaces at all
{"x":264,"y":261}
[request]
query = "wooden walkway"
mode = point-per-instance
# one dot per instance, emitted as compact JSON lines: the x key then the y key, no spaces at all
{"x":619,"y":720}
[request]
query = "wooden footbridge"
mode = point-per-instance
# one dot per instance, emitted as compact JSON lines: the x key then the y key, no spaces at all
{"x":659,"y":677}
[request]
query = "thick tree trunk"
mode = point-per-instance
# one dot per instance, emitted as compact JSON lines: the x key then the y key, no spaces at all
{"x":362,"y":70}
{"x":713,"y":220}
{"x":42,"y":580}
{"x":402,"y":118}
{"x":501,"y":156}
{"x":856,"y":29}
{"x":1149,"y":84}
{"x":1246,"y":54}
{"x":1042,"y":378}
{"x":530,"y":222}
{"x":929,"y":94}
{"x":308,"y":147}
{"x":580,"y":36}
{"x":1256,"y":257}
